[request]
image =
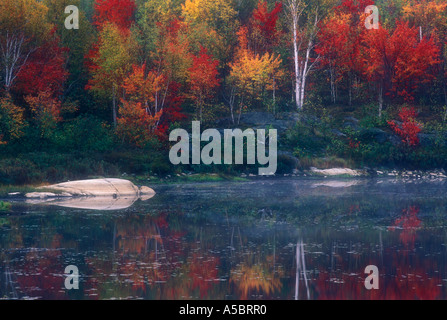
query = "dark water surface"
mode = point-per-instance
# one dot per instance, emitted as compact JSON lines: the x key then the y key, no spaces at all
{"x":271,"y":239}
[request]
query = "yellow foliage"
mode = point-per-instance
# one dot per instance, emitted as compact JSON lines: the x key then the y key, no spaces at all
{"x":114,"y":60}
{"x":12,"y":120}
{"x":211,"y":12}
{"x":429,"y":14}
{"x":161,"y":11}
{"x":27,"y":16}
{"x":212,"y":25}
{"x":251,"y":73}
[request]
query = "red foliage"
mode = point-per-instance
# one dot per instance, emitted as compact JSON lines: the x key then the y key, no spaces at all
{"x":203,"y":74}
{"x":354,"y":144}
{"x":353,"y":6}
{"x":119,"y":12}
{"x":262,"y":33}
{"x":203,"y":78}
{"x":401,"y":60}
{"x":173,"y":110}
{"x":45,"y":70}
{"x":409,"y":129}
{"x":340,"y":43}
{"x":266,"y":21}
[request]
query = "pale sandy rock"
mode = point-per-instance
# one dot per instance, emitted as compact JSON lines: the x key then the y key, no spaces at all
{"x":336,"y":172}
{"x":40,"y":195}
{"x":96,"y":188}
{"x":97,"y":194}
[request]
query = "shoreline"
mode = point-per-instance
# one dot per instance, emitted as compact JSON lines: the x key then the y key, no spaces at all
{"x":11,"y":192}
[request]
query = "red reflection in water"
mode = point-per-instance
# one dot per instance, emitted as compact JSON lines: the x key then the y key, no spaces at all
{"x":409,"y":278}
{"x":409,"y":223}
{"x":42,"y":274}
{"x":204,"y":273}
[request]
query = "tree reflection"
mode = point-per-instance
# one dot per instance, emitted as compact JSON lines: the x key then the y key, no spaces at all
{"x":405,"y":275}
{"x":42,"y":273}
{"x":168,"y":255}
{"x":409,"y":223}
{"x":255,"y":277}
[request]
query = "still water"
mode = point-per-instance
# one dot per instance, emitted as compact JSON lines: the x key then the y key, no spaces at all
{"x":268,"y":239}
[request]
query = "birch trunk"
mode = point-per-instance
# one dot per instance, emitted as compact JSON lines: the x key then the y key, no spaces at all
{"x":13,"y":57}
{"x":302,"y":64}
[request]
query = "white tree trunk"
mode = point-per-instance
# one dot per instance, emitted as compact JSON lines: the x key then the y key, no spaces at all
{"x":13,"y":58}
{"x":302,"y":64}
{"x":297,"y":62}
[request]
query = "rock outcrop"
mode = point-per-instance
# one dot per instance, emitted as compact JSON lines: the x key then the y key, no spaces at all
{"x":336,"y":172}
{"x":97,"y":194}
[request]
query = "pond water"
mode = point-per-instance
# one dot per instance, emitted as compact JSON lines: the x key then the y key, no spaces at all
{"x":266,"y":239}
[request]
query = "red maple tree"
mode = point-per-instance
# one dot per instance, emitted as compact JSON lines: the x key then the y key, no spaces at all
{"x":398,"y":61}
{"x":119,"y":12}
{"x":45,"y":70}
{"x":409,"y":129}
{"x":203,"y":78}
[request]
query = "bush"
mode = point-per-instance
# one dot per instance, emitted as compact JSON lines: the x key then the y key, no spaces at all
{"x":5,"y":206}
{"x":33,"y":168}
{"x":306,"y":140}
{"x":85,"y":133}
{"x":12,"y":122}
{"x":18,"y":171}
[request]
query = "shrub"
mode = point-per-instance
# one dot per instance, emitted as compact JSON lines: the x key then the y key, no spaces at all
{"x":85,"y":133}
{"x":12,"y":123}
{"x":409,"y":129}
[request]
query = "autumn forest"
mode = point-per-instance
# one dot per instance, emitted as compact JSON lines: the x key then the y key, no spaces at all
{"x":101,"y":100}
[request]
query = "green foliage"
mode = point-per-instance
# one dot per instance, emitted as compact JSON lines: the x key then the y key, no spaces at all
{"x":46,"y":137}
{"x":4,"y":206}
{"x":307,"y":140}
{"x":84,"y":134}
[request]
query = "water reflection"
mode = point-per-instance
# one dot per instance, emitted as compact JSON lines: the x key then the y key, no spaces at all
{"x":301,"y":270}
{"x":93,"y":203}
{"x":267,"y":240}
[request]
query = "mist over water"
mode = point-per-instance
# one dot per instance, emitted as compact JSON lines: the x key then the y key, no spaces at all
{"x":265,"y":239}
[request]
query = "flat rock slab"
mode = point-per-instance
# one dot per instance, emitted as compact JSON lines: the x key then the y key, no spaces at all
{"x":98,"y":194}
{"x":337,"y":172}
{"x":115,"y":188}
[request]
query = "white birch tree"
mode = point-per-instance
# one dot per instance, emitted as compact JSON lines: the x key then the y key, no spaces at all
{"x":23,"y":27}
{"x":304,"y":30}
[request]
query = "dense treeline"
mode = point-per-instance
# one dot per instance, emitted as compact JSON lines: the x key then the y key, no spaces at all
{"x":135,"y":69}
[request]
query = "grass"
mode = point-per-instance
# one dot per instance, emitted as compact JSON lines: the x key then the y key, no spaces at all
{"x":5,"y":190}
{"x":5,"y":206}
{"x":192,"y":178}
